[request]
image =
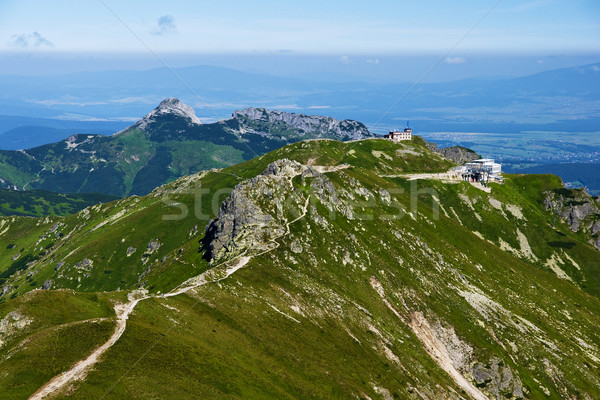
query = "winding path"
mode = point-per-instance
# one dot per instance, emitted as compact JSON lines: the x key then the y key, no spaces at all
{"x":218,"y":273}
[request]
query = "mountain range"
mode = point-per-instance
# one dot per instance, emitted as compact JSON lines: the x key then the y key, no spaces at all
{"x":321,"y":269}
{"x":168,"y":143}
{"x":559,"y":100}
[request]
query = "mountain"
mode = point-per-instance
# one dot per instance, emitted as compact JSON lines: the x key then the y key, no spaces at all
{"x":168,"y":143}
{"x":18,"y":133}
{"x":321,"y":269}
{"x":555,"y":100}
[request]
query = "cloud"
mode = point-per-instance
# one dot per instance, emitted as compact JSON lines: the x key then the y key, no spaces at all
{"x":345,"y":60}
{"x":34,"y":39}
{"x":373,"y":61}
{"x":165,"y":24}
{"x":455,"y":60}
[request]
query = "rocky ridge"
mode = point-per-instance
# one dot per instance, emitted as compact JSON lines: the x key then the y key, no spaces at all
{"x":309,"y":126}
{"x":256,"y":211}
{"x":458,"y":154}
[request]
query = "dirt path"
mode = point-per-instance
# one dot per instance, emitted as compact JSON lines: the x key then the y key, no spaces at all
{"x":80,"y":370}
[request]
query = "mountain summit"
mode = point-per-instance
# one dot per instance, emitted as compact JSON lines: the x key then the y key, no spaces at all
{"x":169,"y":106}
{"x":168,"y":143}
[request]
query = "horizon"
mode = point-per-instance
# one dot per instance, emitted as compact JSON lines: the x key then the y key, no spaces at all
{"x":461,"y":40}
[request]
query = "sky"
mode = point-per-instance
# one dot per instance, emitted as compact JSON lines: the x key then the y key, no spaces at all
{"x":350,"y":30}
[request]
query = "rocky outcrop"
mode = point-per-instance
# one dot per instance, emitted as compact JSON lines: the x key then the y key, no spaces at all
{"x":258,"y":120}
{"x":498,"y":380}
{"x":256,"y":212}
{"x":458,"y":154}
{"x":169,"y":106}
{"x":577,"y":209}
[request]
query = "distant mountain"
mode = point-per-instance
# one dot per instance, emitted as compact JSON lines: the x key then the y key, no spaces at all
{"x":18,"y":133}
{"x":320,"y":270}
{"x":168,"y":143}
{"x":564,"y":99}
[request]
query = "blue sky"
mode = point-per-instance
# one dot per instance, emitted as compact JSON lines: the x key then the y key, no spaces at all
{"x":308,"y":26}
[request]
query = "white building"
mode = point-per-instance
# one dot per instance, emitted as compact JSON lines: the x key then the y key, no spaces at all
{"x":481,"y":170}
{"x":485,"y":165}
{"x":397,"y":136}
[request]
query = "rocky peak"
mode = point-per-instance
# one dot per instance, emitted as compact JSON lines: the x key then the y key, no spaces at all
{"x":313,"y":126}
{"x":256,"y":211}
{"x":169,"y":106}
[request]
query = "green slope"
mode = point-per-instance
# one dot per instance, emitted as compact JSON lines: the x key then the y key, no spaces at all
{"x":156,"y":150}
{"x":381,"y":281}
{"x":39,"y":203}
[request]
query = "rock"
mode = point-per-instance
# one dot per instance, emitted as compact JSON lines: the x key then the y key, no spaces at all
{"x":5,"y":289}
{"x":16,"y":256}
{"x":130,"y":251}
{"x":295,"y":246}
{"x":310,"y":126}
{"x":458,"y":154}
{"x":169,"y":106}
{"x":153,"y":245}
{"x":283,"y":167}
{"x":54,"y":227}
{"x":497,"y":380}
{"x":242,"y":224}
{"x":595,"y":227}
{"x":47,"y":284}
{"x":59,"y":265}
{"x":576,"y":208}
{"x":85,"y":264}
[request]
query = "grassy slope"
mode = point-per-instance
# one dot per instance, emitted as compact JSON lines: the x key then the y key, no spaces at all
{"x":232,"y":339}
{"x":39,"y":203}
{"x":64,"y":326}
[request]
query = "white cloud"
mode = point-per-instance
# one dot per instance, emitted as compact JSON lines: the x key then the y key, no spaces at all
{"x":165,"y":24}
{"x":345,"y":60}
{"x":34,"y":39}
{"x":373,"y":61}
{"x":455,"y":60}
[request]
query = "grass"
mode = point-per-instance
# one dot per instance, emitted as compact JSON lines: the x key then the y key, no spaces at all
{"x":308,"y":323}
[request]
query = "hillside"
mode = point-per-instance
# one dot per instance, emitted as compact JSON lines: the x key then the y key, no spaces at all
{"x":168,"y":143}
{"x":40,"y":203}
{"x":319,"y":270}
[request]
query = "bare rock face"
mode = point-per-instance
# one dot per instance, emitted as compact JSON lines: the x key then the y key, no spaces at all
{"x":169,"y":106}
{"x":256,"y":212}
{"x":595,"y":227}
{"x":308,"y":126}
{"x":498,"y":380}
{"x":47,"y":284}
{"x":578,"y":210}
